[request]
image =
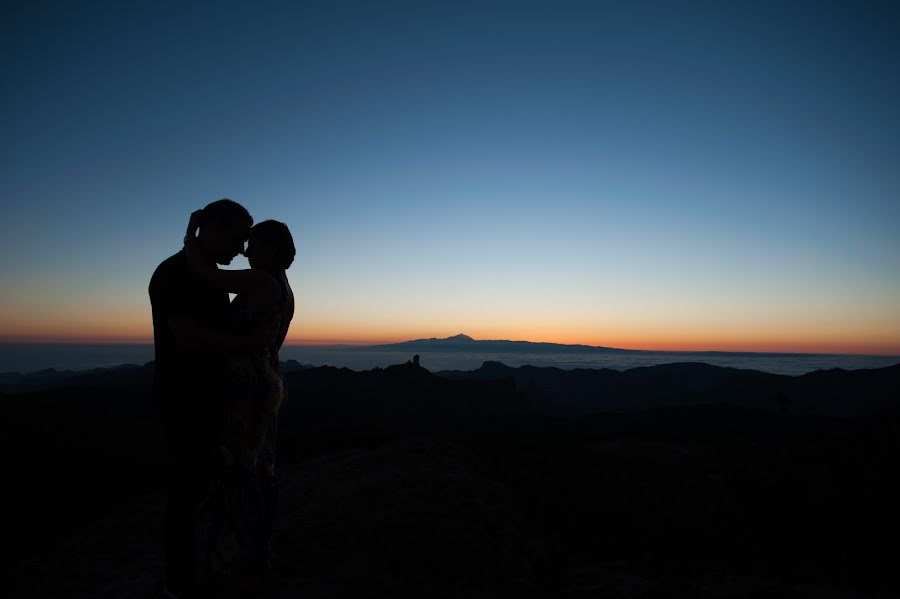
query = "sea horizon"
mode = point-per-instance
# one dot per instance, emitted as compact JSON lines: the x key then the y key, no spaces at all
{"x":33,"y":357}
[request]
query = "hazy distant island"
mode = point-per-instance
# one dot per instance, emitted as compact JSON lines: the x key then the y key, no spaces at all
{"x":465,"y":343}
{"x":457,"y":352}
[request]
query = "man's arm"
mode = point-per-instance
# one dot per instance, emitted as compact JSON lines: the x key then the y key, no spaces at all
{"x":178,"y":313}
{"x":239,"y":281}
{"x":190,"y":336}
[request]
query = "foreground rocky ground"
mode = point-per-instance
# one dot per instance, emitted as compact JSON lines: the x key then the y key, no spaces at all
{"x":389,"y":490}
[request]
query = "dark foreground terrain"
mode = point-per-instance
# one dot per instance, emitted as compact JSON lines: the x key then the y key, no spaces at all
{"x":676,"y":480}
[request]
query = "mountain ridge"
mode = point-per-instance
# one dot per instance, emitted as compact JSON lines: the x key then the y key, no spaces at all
{"x":463,"y":342}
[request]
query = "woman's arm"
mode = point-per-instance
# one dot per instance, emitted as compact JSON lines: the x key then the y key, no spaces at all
{"x":235,"y":281}
{"x":232,"y":281}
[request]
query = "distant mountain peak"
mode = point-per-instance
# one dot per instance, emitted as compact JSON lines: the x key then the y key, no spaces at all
{"x":460,"y":337}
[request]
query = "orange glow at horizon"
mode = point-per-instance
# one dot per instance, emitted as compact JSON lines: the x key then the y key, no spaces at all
{"x":54,"y":318}
{"x":662,"y":339}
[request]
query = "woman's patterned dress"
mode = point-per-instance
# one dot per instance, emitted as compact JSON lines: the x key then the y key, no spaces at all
{"x":235,"y":519}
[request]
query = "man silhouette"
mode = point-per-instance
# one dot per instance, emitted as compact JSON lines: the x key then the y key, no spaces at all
{"x":191,"y":336}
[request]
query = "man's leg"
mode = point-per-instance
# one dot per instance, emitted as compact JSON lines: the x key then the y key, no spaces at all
{"x":188,"y":480}
{"x":179,"y":535}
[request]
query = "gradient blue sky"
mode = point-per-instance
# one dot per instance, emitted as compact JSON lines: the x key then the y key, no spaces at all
{"x":657,"y":175}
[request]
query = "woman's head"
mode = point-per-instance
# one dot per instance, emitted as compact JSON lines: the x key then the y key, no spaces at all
{"x":271,"y":246}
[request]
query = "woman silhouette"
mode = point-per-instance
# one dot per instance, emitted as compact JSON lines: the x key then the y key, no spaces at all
{"x":236,"y":516}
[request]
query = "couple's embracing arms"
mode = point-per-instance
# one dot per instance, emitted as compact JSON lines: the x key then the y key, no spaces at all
{"x":191,"y":336}
{"x":185,"y":310}
{"x":257,"y":283}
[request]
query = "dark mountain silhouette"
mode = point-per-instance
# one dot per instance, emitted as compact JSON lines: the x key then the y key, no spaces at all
{"x":401,"y":482}
{"x":576,"y":392}
{"x":125,"y":374}
{"x":465,"y":343}
{"x":50,"y":377}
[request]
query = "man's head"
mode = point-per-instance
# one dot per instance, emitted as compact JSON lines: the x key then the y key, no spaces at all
{"x":224,"y":227}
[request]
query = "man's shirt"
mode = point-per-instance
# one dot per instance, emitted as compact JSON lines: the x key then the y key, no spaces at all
{"x":175,"y":291}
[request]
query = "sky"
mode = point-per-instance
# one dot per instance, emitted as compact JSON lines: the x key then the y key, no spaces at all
{"x":650,"y":175}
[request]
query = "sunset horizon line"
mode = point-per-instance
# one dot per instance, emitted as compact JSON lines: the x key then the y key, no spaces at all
{"x":833,"y":348}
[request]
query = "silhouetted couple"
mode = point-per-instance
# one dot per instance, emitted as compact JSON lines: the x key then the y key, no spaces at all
{"x":218,"y":387}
